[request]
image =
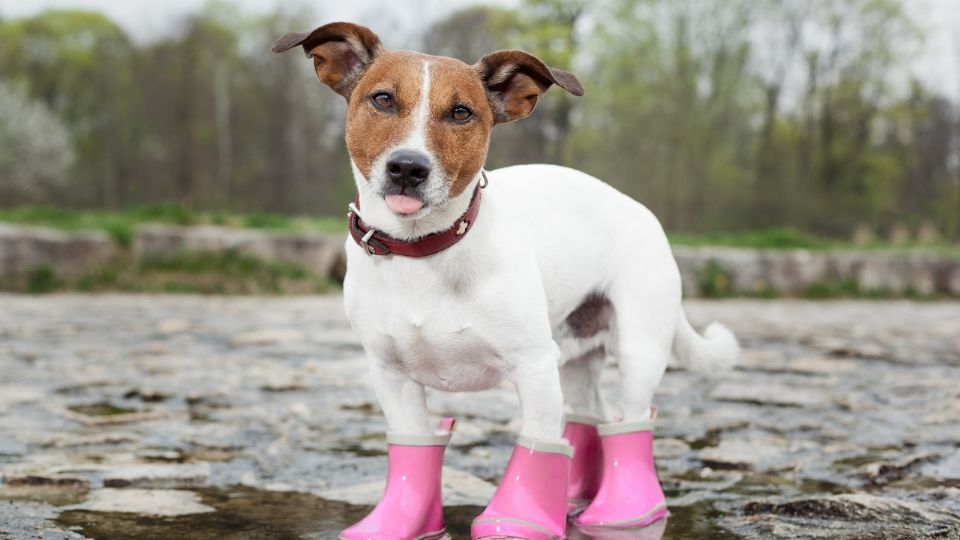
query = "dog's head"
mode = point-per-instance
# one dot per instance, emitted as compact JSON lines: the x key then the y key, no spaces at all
{"x":418,"y":126}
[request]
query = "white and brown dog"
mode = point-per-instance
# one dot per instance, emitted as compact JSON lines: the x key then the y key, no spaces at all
{"x":535,"y":281}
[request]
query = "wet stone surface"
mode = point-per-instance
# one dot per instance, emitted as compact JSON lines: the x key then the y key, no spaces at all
{"x":165,"y":417}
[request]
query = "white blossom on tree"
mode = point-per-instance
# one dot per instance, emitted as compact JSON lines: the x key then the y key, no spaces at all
{"x":36,"y":150}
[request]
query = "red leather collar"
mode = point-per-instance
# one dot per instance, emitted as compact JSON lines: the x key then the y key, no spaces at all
{"x":375,"y":242}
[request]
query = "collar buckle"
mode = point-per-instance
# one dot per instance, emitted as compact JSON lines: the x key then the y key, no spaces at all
{"x":365,"y":242}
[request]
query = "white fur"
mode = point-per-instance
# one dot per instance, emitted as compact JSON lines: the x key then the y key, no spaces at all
{"x":417,"y":139}
{"x":493,"y":306}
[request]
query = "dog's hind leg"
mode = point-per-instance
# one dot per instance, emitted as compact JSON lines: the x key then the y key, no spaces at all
{"x":580,"y":379}
{"x":630,"y":494}
{"x":642,"y":362}
{"x":646,"y":315}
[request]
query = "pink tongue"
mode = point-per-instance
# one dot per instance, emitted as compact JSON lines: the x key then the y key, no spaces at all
{"x":402,"y":204}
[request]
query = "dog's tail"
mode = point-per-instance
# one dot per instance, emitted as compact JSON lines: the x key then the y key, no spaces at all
{"x":717,"y":350}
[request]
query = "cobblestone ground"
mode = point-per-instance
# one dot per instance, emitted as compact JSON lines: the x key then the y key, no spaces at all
{"x":163,"y":417}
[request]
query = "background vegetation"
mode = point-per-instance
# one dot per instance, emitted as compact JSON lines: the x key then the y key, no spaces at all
{"x":720,"y":115}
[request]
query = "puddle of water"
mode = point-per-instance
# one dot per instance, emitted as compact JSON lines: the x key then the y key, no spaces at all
{"x":250,"y":513}
{"x":359,"y":451}
{"x":696,"y":521}
{"x":241,"y":513}
{"x":52,"y":495}
{"x":102,"y":408}
{"x":759,"y":485}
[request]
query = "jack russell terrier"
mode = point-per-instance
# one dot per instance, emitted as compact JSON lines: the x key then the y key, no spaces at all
{"x":459,"y":279}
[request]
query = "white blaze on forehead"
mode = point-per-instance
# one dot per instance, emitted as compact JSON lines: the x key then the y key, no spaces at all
{"x":417,"y":140}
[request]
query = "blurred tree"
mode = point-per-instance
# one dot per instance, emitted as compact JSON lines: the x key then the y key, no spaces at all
{"x":35,"y":149}
{"x":718,"y":114}
{"x":781,"y":35}
{"x":187,"y":109}
{"x":669,"y":124}
{"x":549,"y":29}
{"x":850,"y":50}
{"x":296,"y":122}
{"x":472,"y":32}
{"x":78,"y":63}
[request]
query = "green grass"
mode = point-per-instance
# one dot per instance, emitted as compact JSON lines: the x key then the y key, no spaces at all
{"x":778,"y":238}
{"x":847,"y":288}
{"x":121,"y":225}
{"x":787,"y":238}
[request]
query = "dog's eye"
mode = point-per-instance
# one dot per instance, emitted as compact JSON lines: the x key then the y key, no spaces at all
{"x":383,"y":101}
{"x":461,"y":114}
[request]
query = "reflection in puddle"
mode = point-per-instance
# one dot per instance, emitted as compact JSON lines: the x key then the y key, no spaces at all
{"x":654,"y":531}
{"x":250,"y":513}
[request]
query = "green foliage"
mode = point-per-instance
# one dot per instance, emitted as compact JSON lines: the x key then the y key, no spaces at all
{"x":715,"y":282}
{"x":203,"y":273}
{"x":42,"y":280}
{"x":173,"y":213}
{"x":833,"y":289}
{"x":228,"y":263}
{"x":227,"y":273}
{"x":263,"y":220}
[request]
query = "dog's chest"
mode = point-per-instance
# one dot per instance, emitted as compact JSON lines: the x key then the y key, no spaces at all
{"x":437,"y":336}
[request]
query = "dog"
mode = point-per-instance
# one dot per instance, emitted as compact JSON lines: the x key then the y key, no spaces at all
{"x":458,"y":279}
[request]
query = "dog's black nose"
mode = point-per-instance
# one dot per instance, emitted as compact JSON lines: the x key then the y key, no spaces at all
{"x":408,"y":169}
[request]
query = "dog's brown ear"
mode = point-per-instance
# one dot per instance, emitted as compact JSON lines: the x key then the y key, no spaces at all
{"x":516,"y":79}
{"x":341,"y":52}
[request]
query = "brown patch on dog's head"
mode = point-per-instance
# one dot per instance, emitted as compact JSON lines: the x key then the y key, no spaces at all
{"x":371,"y":130}
{"x":387,"y":110}
{"x":459,"y":146}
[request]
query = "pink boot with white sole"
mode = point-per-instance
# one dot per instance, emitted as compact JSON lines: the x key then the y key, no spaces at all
{"x":411,"y":507}
{"x":531,"y":501}
{"x":586,"y":469}
{"x":630,"y":495}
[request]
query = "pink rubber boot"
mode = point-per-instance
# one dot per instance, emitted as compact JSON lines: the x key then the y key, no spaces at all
{"x":530,"y":502}
{"x":586,"y":469}
{"x":630,"y":494}
{"x":411,"y":506}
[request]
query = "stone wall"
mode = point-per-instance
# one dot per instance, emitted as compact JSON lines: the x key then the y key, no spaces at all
{"x":706,"y":270}
{"x":321,"y":253}
{"x":799,"y":272}
{"x":26,"y":249}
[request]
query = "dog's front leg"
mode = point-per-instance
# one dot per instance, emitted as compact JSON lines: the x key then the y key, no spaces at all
{"x":411,"y":505}
{"x":402,"y":399}
{"x":532,"y":497}
{"x":537,"y":378}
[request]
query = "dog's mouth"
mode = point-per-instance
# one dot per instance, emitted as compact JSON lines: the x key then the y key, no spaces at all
{"x":403,"y":204}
